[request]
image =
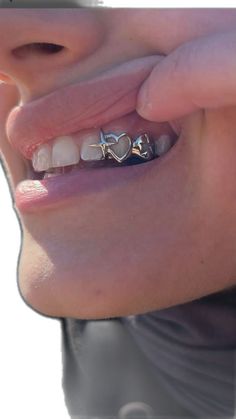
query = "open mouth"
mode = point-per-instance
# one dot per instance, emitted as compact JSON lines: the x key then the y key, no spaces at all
{"x":157,"y":149}
{"x":103,"y":147}
{"x":85,"y":163}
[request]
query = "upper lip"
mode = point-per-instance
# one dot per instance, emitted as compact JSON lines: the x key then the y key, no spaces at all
{"x":83,"y":105}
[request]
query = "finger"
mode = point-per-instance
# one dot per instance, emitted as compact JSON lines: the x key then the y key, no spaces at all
{"x":198,"y":74}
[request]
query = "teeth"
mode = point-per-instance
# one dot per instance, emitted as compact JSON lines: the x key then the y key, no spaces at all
{"x":64,"y":152}
{"x":47,"y":175}
{"x":88,"y":153}
{"x":42,"y":159}
{"x":163,"y":144}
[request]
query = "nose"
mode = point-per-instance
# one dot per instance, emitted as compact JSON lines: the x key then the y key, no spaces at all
{"x":38,"y":47}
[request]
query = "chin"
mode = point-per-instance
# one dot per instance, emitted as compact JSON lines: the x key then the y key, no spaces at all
{"x":73,"y":279}
{"x":61,"y":281}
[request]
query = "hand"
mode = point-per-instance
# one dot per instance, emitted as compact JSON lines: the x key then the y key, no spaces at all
{"x":200,"y":74}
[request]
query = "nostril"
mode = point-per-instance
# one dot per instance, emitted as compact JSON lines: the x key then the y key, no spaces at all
{"x":37,"y":48}
{"x":47,"y":47}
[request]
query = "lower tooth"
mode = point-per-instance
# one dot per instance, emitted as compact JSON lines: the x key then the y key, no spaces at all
{"x":47,"y":175}
{"x":56,"y":171}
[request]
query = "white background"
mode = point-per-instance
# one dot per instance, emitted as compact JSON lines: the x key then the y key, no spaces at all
{"x":30,"y":344}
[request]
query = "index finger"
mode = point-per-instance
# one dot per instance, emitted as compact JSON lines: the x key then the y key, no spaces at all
{"x":198,"y":74}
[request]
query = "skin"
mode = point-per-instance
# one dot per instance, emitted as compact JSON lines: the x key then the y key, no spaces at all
{"x":175,"y":240}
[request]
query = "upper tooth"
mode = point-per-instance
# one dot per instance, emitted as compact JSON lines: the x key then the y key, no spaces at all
{"x":90,"y":153}
{"x":42,"y":159}
{"x":163,"y":144}
{"x":64,"y":152}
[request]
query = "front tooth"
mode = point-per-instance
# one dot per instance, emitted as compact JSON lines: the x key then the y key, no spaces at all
{"x":42,"y":158}
{"x":64,"y":152}
{"x":163,"y":144}
{"x":87,"y":152}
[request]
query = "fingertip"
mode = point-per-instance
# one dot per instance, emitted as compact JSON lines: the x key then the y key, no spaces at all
{"x":144,"y":105}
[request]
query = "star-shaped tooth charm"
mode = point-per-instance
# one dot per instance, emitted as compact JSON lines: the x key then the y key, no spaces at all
{"x":104,"y":145}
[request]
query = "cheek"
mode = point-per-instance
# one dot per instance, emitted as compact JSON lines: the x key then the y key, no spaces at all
{"x":217,"y":190}
{"x":14,"y":167}
{"x":217,"y":169}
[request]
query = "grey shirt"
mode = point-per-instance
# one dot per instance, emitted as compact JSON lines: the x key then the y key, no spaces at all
{"x":189,"y":353}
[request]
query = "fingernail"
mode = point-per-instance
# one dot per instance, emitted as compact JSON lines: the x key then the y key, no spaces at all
{"x":143,"y":102}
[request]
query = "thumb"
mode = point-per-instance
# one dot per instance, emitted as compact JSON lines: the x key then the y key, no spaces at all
{"x":198,"y":74}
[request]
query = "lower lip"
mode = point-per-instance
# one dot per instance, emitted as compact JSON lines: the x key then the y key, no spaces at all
{"x":38,"y":195}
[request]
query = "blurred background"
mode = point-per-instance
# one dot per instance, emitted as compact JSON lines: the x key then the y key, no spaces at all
{"x":30,"y":346}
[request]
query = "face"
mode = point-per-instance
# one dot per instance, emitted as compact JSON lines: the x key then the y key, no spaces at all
{"x":114,"y":240}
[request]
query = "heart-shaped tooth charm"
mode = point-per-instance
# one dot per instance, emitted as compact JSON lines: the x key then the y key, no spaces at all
{"x":122,"y":148}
